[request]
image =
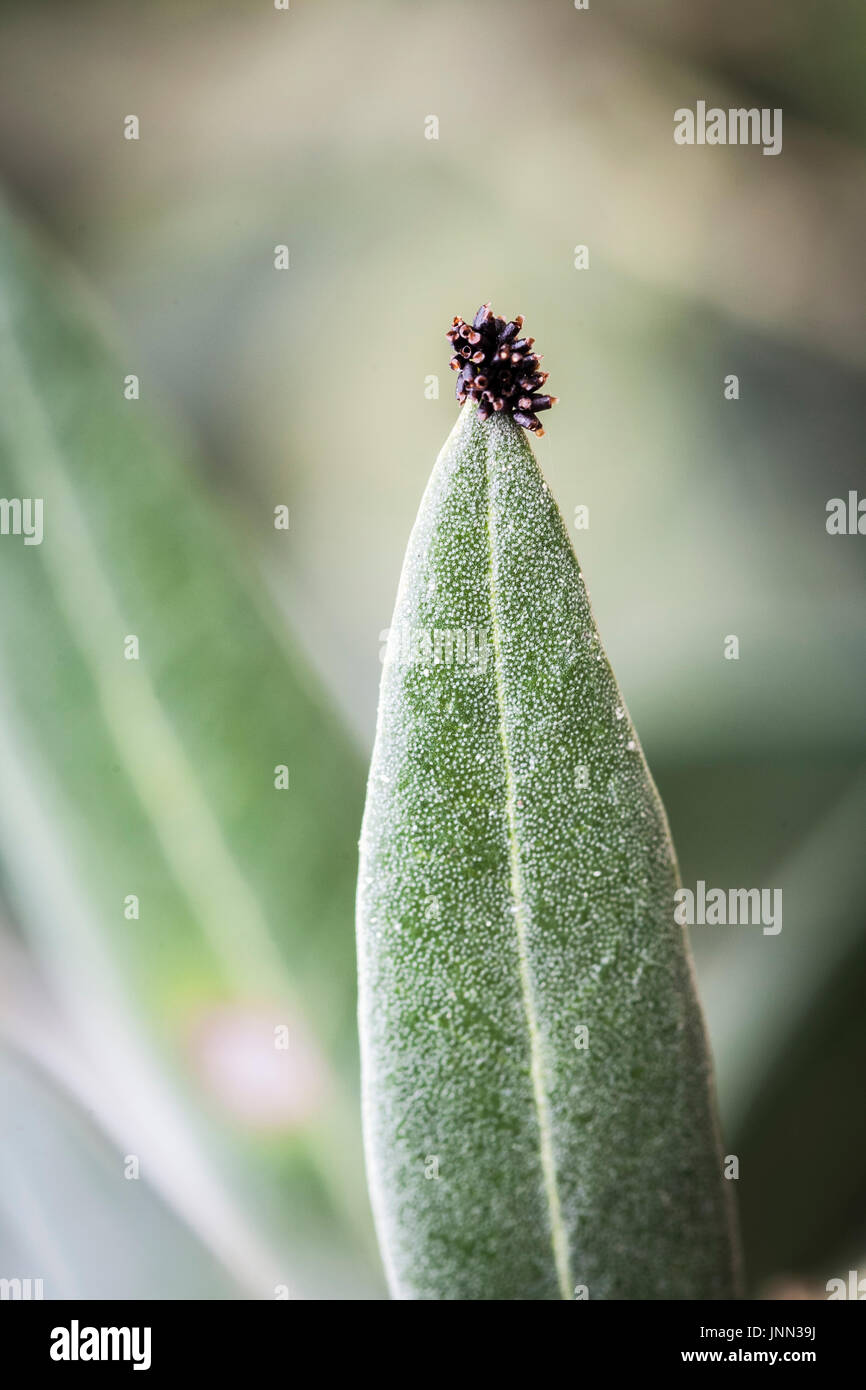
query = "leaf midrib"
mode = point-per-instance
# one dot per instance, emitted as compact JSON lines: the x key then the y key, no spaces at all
{"x":558,"y":1235}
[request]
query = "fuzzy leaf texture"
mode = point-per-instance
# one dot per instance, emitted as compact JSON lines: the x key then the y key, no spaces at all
{"x":537,"y":1089}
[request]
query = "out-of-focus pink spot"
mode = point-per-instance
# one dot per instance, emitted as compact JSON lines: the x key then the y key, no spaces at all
{"x":261,"y":1065}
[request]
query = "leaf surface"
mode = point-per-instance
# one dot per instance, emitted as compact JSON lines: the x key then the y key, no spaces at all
{"x":538,"y":1108}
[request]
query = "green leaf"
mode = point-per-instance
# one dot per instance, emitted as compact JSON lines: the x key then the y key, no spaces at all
{"x":517,"y":887}
{"x":155,"y":778}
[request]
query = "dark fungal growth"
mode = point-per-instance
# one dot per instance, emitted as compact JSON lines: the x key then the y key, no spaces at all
{"x":498,"y":369}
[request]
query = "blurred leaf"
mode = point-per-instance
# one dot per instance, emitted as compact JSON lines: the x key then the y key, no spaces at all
{"x":70,"y":1217}
{"x":759,"y":992}
{"x":156,"y":776}
{"x":786,"y":1015}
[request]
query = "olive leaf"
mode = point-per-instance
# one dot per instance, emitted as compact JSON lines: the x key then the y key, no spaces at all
{"x":538,"y":1098}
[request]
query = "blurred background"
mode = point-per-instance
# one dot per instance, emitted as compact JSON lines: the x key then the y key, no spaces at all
{"x":178,"y":1064}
